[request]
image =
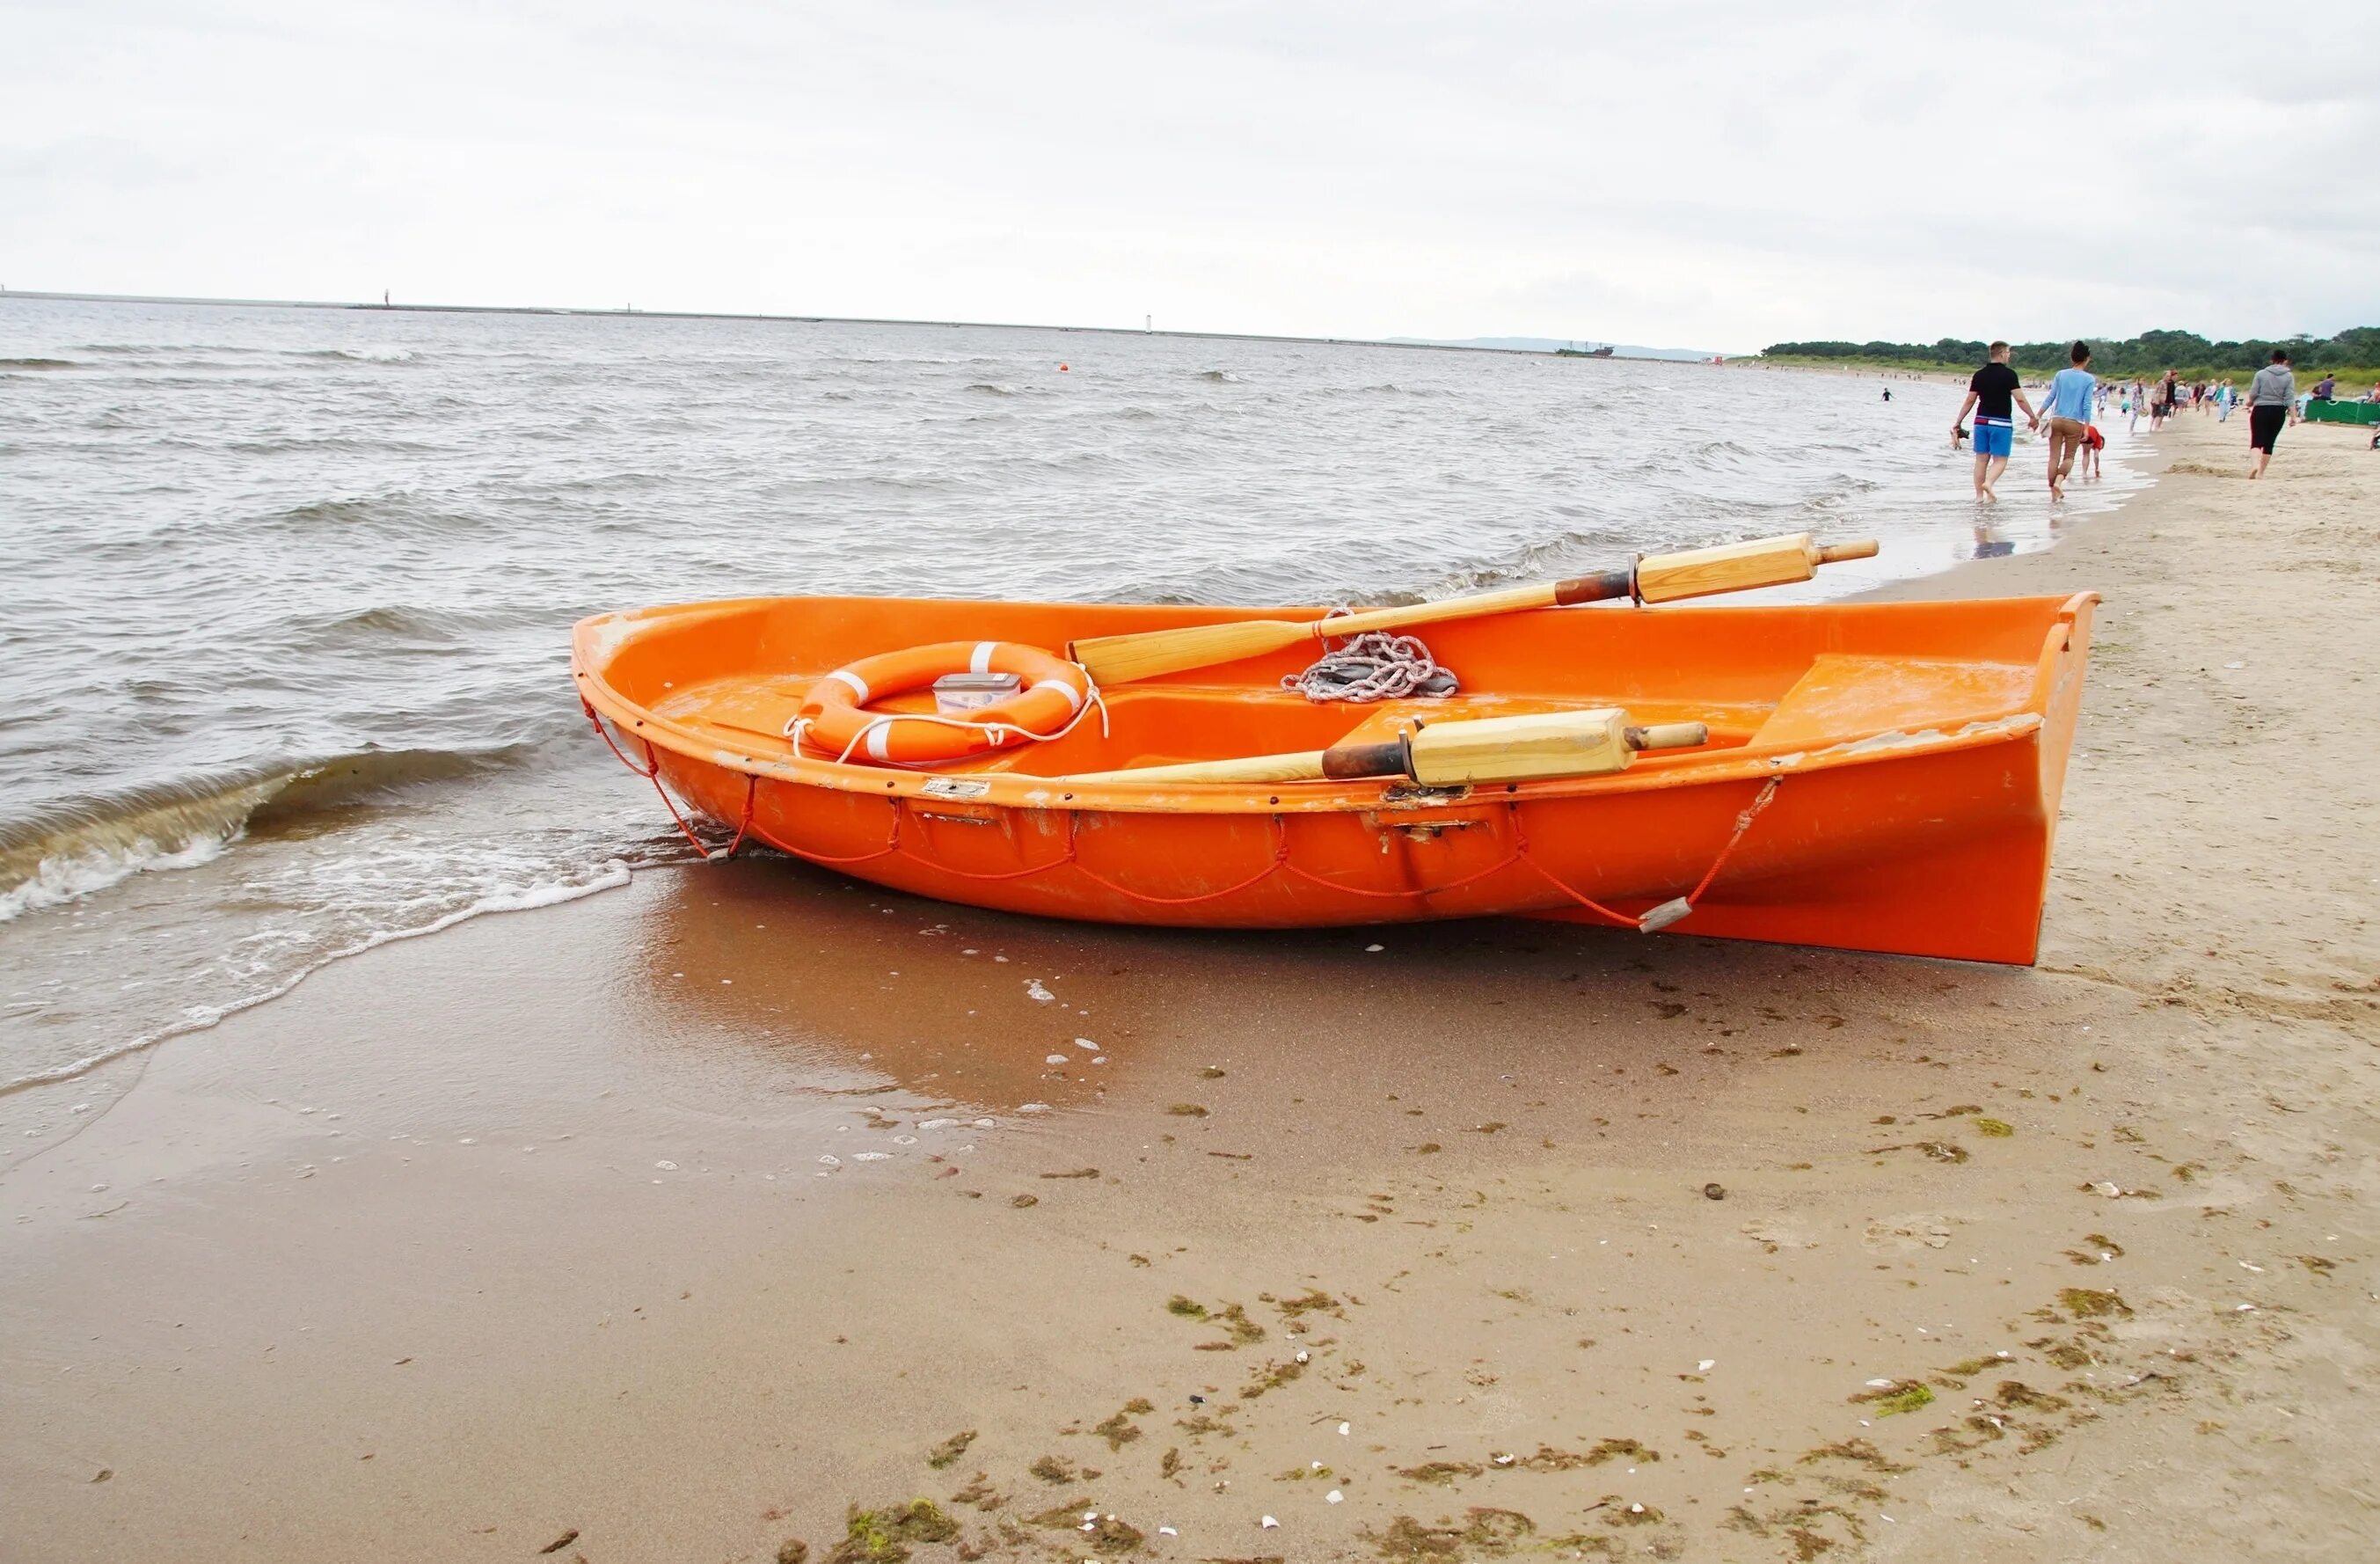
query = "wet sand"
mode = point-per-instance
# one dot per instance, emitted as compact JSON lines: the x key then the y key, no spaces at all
{"x":662,"y":1225}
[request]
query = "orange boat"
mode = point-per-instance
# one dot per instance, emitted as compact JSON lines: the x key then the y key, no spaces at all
{"x":1874,"y":777}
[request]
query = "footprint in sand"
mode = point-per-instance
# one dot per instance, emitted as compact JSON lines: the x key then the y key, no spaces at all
{"x":1777,"y":1235}
{"x":1894,"y":1235}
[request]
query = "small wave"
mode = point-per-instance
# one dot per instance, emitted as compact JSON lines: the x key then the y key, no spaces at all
{"x":373,"y":446}
{"x":607,"y":875}
{"x":1565,"y":554}
{"x":1221,"y":377}
{"x":64,"y":878}
{"x":332,"y":512}
{"x":1379,"y":388}
{"x":996,"y":388}
{"x":351,"y":779}
{"x":74,"y":851}
{"x":398,"y":507}
{"x":36,"y":364}
{"x":392,"y":625}
{"x":151,"y":349}
{"x":360,"y":355}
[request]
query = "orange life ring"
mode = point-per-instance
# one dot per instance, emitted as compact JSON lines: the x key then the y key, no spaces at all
{"x":834,"y":715}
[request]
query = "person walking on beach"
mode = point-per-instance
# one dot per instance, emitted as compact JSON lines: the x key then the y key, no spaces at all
{"x":1990,"y":394}
{"x":2069,"y":415}
{"x":2272,"y":401}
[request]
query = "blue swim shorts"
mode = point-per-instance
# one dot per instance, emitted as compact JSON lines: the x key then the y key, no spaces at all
{"x":1994,"y":437}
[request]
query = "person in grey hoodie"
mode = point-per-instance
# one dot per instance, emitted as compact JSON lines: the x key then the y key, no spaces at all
{"x":2272,"y":401}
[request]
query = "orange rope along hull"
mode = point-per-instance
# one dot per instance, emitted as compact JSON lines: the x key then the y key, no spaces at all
{"x":1878,"y":777}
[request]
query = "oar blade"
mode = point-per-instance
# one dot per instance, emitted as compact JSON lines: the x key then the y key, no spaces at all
{"x":1740,"y":567}
{"x":1456,"y":754}
{"x":1510,"y":749}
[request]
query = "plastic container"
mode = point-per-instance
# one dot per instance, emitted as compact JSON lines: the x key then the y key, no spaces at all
{"x":955,"y":692}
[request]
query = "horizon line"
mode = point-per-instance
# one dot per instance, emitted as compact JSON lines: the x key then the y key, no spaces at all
{"x":630,"y":311}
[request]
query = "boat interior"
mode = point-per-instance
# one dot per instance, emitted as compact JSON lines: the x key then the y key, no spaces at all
{"x":1785,"y":678}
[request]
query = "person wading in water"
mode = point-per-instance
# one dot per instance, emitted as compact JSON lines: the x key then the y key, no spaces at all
{"x":2070,"y":390}
{"x":1989,"y":394}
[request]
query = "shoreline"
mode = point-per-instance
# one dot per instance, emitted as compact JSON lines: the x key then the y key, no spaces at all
{"x":469,"y":1242}
{"x":2086,"y":503}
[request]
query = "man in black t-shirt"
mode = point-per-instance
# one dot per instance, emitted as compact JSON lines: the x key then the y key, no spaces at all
{"x":1990,"y":394}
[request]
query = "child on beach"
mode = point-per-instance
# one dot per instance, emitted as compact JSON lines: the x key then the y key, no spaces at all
{"x":2093,"y":443}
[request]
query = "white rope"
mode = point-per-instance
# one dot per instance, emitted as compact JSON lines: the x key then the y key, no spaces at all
{"x":1374,"y":666}
{"x":798,"y":729}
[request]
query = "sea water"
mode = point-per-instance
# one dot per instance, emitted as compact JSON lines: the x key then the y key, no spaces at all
{"x":283,"y":649}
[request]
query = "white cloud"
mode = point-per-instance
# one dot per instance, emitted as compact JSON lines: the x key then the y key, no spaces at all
{"x":1720,"y":174}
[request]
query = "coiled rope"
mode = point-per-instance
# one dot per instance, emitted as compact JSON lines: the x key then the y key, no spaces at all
{"x":1374,"y":666}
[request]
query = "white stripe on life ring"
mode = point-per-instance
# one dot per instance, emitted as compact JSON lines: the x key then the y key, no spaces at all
{"x":858,"y":685}
{"x":1074,"y":697}
{"x":981,"y":661}
{"x":880,"y":739}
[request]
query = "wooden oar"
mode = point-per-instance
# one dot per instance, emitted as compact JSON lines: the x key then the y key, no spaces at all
{"x":1731,"y":567}
{"x":1488,"y":749}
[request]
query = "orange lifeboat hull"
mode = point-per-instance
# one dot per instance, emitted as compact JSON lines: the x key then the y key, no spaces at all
{"x":1881,"y":777}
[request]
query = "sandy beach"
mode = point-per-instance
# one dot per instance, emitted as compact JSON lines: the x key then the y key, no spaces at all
{"x":733,"y":1214}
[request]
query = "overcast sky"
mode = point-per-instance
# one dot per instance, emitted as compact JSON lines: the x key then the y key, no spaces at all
{"x":1695,"y":175}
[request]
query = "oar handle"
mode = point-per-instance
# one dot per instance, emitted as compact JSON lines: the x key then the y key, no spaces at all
{"x":1835,"y":553}
{"x":1669,"y":736}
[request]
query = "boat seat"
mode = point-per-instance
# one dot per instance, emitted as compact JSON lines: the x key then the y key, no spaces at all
{"x":1844,"y":697}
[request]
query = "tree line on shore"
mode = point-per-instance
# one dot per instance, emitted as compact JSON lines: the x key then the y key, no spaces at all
{"x":2151,"y":353}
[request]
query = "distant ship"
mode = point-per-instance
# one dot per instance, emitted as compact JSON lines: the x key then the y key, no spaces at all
{"x":1603,"y":352}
